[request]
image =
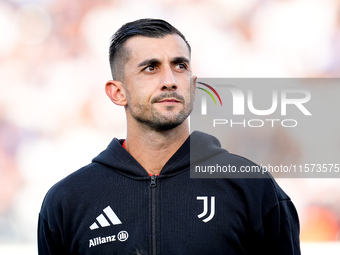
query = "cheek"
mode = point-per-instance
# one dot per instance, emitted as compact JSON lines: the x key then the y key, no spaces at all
{"x":189,"y":88}
{"x":137,"y":97}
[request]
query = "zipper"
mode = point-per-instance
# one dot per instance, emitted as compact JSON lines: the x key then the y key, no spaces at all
{"x":153,"y":181}
{"x":153,"y":215}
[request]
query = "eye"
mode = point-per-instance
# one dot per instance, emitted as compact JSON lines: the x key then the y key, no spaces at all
{"x":150,"y":68}
{"x":181,"y":66}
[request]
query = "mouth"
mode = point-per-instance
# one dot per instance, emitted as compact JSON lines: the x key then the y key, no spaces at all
{"x":168,"y":98}
{"x":169,"y":101}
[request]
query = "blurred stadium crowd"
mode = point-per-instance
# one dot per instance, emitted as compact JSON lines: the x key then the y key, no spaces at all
{"x":54,"y":114}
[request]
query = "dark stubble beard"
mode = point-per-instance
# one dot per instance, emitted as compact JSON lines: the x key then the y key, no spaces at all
{"x":159,"y":121}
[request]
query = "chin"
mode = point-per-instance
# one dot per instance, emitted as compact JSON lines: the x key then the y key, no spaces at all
{"x":167,"y":126}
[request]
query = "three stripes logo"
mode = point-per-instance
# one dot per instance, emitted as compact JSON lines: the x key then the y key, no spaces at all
{"x":204,"y":99}
{"x":205,"y":208}
{"x":103,"y":221}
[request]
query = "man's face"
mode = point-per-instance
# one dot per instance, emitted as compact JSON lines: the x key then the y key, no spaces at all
{"x":157,"y":81}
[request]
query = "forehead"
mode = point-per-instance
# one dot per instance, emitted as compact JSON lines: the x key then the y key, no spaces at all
{"x":141,"y":47}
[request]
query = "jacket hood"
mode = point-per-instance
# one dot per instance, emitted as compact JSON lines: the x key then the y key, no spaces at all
{"x":197,"y":148}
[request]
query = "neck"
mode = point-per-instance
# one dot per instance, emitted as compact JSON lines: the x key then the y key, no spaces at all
{"x":153,"y":148}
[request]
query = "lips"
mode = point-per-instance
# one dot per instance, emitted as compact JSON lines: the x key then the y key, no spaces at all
{"x":169,"y":100}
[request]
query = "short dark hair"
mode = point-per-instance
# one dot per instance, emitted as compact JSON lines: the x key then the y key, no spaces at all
{"x":154,"y":28}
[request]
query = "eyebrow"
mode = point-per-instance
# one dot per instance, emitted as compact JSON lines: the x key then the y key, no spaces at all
{"x":180,"y":60}
{"x":147,"y":62}
{"x":155,"y":61}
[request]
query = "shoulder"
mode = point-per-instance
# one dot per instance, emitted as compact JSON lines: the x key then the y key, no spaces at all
{"x":258,"y":177}
{"x":242,"y":172}
{"x":72,"y":188}
{"x":66,"y":186}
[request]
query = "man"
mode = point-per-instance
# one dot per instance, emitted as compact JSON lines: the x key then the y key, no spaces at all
{"x":137,"y":197}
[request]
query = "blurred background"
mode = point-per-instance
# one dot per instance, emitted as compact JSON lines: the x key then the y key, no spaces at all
{"x":55,"y":116}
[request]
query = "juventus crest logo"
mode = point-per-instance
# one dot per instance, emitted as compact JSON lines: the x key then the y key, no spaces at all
{"x":205,"y":208}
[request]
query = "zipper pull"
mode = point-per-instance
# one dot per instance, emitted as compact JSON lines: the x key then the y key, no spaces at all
{"x":153,"y":181}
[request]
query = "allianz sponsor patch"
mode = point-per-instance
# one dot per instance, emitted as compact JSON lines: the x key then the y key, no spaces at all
{"x":122,"y":236}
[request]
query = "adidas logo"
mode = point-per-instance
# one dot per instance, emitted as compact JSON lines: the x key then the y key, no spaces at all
{"x":103,"y":221}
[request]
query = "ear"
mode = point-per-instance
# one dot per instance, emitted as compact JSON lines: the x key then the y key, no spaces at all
{"x":116,"y":92}
{"x":194,"y":79}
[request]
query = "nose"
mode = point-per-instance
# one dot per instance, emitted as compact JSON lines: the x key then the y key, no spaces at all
{"x":169,"y":82}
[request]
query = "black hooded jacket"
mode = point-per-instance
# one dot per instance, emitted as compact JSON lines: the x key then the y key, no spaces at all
{"x":112,"y":206}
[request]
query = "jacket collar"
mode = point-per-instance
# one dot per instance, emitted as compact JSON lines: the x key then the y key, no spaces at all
{"x":198,"y":147}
